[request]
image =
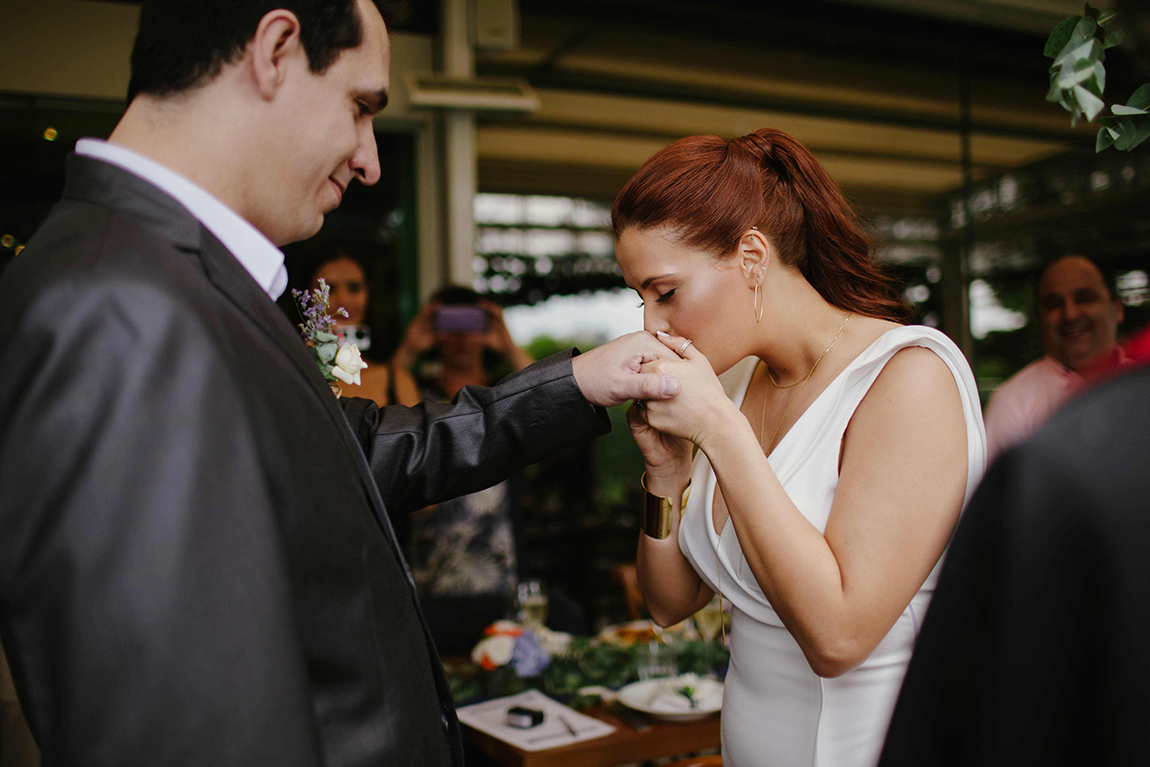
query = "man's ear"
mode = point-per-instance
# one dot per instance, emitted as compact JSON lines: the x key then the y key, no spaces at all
{"x":276,"y":41}
{"x":754,"y":254}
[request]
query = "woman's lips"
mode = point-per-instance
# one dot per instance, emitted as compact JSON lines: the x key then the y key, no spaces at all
{"x":339,"y":188}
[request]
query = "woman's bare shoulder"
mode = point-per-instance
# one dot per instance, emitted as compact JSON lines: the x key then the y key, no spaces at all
{"x":915,"y":382}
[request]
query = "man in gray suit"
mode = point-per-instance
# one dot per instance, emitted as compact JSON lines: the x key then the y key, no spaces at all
{"x":196,"y":561}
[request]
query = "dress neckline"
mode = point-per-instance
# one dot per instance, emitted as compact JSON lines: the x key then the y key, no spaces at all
{"x":738,"y":399}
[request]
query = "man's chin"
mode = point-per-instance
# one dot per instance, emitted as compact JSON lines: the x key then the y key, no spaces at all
{"x":304,"y":232}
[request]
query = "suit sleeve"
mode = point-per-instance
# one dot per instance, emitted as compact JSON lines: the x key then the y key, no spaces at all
{"x":144,"y":598}
{"x":434,"y":451}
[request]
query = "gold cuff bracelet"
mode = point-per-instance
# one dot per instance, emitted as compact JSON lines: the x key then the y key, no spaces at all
{"x":657,"y":510}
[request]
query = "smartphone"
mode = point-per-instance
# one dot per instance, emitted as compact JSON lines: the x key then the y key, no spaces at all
{"x":462,"y":319}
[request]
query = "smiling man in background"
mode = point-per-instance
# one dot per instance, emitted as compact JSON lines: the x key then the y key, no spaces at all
{"x":1078,"y":313}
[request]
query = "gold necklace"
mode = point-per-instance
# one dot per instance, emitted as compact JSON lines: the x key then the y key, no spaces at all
{"x":767,"y":451}
{"x":763,"y":413}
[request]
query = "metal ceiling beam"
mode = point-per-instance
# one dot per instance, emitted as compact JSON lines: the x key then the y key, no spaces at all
{"x":643,"y":88}
{"x":669,"y":136}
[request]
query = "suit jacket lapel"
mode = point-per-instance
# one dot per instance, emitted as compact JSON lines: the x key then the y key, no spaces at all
{"x":229,"y":276}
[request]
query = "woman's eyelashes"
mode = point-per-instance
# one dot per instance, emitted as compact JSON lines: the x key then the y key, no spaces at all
{"x":662,"y":297}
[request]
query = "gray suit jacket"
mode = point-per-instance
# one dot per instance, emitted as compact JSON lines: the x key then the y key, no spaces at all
{"x":196,"y":561}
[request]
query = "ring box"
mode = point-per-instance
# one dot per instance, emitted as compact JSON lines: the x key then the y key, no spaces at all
{"x":523,"y":717}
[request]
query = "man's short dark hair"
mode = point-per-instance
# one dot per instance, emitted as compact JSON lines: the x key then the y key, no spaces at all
{"x":1109,"y":275}
{"x":182,"y":44}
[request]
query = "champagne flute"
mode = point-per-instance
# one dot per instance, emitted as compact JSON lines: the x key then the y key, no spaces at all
{"x":532,"y":599}
{"x":709,"y":620}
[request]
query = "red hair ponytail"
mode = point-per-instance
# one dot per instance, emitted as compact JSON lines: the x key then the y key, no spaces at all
{"x":711,"y":191}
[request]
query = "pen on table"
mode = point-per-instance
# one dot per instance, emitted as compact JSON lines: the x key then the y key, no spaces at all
{"x":567,"y":724}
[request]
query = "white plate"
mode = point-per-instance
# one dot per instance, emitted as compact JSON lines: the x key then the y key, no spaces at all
{"x":639,"y":695}
{"x":639,"y":632}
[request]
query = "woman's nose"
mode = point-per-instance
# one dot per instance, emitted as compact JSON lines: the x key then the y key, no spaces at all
{"x":650,"y":322}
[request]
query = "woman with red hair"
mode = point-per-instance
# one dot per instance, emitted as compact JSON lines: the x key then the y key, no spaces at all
{"x":824,"y":493}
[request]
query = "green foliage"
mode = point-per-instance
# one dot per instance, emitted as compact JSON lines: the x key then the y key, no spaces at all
{"x":1060,"y":37}
{"x":586,"y":663}
{"x":1130,"y":126}
{"x":544,"y":346}
{"x":618,"y":462}
{"x":1078,"y":78}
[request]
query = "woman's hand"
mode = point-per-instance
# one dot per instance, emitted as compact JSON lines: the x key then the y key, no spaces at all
{"x":419,"y":337}
{"x":667,"y":458}
{"x":498,"y":337}
{"x":702,"y":408}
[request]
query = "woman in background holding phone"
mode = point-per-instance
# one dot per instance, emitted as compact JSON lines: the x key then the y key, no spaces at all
{"x":464,"y":552}
{"x":458,"y":339}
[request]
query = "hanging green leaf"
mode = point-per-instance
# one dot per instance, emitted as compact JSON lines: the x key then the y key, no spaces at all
{"x":1107,"y":16}
{"x":1120,"y":109}
{"x":1105,"y":140}
{"x":1090,"y":104}
{"x":1060,"y":37}
{"x":1116,"y":35}
{"x":1127,"y":133}
{"x":1097,"y":84}
{"x":1143,"y":133}
{"x":1082,"y":71}
{"x":1140,"y":99}
{"x":1081,"y":43}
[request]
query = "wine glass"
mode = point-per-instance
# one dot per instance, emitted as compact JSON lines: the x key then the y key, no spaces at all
{"x":656,"y":660}
{"x":531,"y":598}
{"x":709,"y":620}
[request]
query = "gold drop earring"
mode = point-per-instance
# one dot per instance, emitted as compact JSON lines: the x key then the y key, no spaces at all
{"x":758,"y":300}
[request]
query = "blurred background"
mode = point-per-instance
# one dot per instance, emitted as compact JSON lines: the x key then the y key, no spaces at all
{"x":513,"y":124}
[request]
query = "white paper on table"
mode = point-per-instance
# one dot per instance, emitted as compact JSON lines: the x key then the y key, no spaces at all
{"x":491,"y":717}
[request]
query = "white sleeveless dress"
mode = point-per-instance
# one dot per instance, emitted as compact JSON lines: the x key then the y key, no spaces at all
{"x":776,"y":710}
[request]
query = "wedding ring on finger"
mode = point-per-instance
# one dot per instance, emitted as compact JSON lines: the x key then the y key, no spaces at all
{"x":683,"y":349}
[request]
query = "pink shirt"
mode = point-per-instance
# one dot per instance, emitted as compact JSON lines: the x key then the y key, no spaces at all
{"x":1021,"y":405}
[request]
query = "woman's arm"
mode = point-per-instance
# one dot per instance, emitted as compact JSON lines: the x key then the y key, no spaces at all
{"x":498,"y":338}
{"x":901,"y":484}
{"x":406,"y":390}
{"x":672,"y":590}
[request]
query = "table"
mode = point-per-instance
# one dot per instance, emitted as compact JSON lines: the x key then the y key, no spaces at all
{"x":620,"y":747}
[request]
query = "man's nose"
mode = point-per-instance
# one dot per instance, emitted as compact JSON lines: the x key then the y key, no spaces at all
{"x":365,"y":161}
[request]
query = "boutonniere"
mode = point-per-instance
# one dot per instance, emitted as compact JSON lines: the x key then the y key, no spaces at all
{"x":336,"y":361}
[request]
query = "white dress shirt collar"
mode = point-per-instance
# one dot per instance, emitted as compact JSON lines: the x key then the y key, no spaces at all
{"x":255,"y":252}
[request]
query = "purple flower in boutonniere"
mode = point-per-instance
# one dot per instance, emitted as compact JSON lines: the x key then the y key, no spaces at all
{"x":336,"y":361}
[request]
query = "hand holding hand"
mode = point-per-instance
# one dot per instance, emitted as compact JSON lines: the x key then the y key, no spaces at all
{"x":611,"y":374}
{"x":699,"y":410}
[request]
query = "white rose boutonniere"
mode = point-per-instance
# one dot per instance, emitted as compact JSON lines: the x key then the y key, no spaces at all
{"x":336,"y":362}
{"x":347,"y":364}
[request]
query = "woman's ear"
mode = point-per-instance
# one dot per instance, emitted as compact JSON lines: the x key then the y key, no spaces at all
{"x":754,"y":255}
